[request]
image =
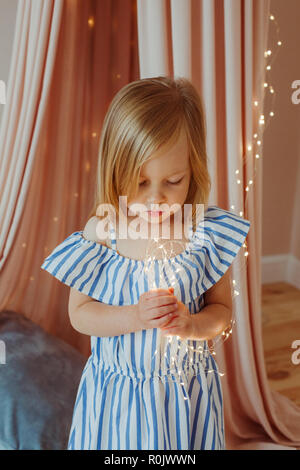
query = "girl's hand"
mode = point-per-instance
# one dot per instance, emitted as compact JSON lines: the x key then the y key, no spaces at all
{"x":181,"y":324}
{"x":156,"y":308}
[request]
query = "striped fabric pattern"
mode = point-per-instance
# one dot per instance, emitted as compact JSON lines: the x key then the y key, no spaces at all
{"x":132,"y":394}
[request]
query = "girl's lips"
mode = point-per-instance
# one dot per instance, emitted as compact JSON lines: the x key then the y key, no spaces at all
{"x":154,"y":213}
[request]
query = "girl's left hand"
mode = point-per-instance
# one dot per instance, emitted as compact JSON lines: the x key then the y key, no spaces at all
{"x":181,"y":324}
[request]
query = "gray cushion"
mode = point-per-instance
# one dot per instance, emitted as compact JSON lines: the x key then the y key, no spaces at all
{"x":38,"y":385}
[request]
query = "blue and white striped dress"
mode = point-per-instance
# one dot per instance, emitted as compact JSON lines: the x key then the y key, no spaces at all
{"x":139,"y":391}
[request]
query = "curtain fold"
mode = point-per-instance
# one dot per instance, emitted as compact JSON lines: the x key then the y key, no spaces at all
{"x":37,"y":27}
{"x":219,"y":46}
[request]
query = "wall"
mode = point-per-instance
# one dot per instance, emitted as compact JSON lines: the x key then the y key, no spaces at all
{"x":281,"y":152}
{"x":281,"y":139}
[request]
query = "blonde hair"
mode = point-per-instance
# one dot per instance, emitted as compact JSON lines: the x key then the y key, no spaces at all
{"x":142,"y":117}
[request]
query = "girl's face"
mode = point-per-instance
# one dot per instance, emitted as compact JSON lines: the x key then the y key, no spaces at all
{"x":164,"y":179}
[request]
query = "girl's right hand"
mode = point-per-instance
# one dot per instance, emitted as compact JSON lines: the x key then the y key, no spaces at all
{"x":156,"y":308}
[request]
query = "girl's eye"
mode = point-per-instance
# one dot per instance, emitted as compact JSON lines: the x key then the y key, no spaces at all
{"x":175,"y":182}
{"x":142,"y":183}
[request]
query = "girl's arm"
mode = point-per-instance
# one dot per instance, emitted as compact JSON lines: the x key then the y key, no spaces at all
{"x":98,"y":319}
{"x":217,"y":312}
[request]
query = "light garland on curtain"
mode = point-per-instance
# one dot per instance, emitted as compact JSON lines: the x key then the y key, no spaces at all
{"x":262,"y":124}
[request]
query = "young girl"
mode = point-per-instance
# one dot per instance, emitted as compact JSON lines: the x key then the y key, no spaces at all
{"x":131,"y":395}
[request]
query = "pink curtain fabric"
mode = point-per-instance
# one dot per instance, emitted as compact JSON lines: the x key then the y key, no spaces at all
{"x":69,"y":59}
{"x":219,"y":46}
{"x":37,"y":27}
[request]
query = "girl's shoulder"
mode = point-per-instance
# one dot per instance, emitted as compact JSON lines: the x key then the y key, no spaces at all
{"x":90,"y":232}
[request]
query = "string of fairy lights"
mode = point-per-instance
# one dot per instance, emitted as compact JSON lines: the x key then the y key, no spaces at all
{"x":255,"y":147}
{"x":173,"y":348}
{"x":263,"y":124}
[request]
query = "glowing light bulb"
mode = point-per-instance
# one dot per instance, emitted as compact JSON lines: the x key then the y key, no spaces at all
{"x":91,"y":22}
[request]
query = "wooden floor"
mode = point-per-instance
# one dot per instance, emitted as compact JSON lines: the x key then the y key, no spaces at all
{"x":281,"y":326}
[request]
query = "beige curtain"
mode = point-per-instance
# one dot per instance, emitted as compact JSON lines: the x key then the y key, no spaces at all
{"x":219,"y":46}
{"x":69,"y":59}
{"x":34,"y":49}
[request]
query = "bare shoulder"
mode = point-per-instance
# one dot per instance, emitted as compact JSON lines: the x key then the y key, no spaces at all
{"x":90,"y":232}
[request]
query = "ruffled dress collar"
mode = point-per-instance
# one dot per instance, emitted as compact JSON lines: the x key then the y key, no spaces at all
{"x":109,"y":277}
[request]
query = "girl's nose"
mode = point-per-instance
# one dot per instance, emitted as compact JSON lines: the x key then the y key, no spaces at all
{"x":154,"y":193}
{"x":155,"y":197}
{"x":159,"y":199}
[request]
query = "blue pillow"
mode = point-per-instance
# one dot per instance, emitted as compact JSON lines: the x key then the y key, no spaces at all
{"x":39,"y":378}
